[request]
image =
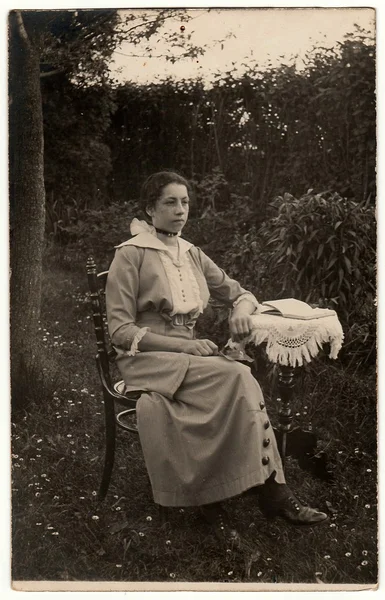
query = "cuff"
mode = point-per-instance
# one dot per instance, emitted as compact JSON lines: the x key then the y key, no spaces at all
{"x":247,"y":296}
{"x":135,"y":342}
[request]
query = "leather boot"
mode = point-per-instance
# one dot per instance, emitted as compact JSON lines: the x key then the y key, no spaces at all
{"x":277,"y":500}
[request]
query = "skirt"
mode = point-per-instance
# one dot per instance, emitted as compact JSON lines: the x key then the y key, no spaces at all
{"x":203,"y":427}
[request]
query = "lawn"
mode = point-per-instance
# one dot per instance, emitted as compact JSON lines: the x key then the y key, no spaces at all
{"x":62,"y":532}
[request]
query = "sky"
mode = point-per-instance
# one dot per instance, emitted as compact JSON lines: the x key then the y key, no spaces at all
{"x":258,"y":34}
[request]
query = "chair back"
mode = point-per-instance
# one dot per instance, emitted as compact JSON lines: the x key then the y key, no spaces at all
{"x":105,"y":352}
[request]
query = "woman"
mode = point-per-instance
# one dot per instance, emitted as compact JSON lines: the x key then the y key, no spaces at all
{"x":201,"y":418}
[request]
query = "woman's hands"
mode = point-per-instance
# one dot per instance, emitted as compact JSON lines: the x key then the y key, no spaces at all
{"x":200,"y":347}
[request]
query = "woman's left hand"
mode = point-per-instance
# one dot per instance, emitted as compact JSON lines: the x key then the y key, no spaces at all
{"x":240,"y":326}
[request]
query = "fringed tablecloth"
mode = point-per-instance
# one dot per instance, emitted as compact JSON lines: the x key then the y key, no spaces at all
{"x":290,"y":342}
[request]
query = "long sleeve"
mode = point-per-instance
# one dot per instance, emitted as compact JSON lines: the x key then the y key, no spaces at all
{"x":121,"y":298}
{"x":221,"y":286}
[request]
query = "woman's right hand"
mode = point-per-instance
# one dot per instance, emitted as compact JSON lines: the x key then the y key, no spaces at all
{"x":200,"y":347}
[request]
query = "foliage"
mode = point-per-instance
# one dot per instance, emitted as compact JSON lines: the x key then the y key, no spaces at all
{"x":78,"y":95}
{"x":265,"y":130}
{"x":95,"y":232}
{"x":322,"y":249}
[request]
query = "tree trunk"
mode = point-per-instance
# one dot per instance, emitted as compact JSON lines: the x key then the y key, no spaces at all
{"x":27,"y":208}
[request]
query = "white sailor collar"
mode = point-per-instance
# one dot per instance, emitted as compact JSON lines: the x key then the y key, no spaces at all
{"x":148,"y":240}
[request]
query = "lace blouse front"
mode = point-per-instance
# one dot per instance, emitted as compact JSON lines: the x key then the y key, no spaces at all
{"x":183,"y":284}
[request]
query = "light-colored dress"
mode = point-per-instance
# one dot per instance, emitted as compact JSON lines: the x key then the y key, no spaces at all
{"x":202,"y":421}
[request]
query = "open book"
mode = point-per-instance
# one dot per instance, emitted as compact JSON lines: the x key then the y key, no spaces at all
{"x":294,"y":309}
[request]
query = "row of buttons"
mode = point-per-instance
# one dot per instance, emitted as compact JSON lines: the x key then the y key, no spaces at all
{"x":181,"y":279}
{"x":266,"y":441}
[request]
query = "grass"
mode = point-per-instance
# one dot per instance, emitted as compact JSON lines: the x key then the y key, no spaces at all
{"x":62,"y":532}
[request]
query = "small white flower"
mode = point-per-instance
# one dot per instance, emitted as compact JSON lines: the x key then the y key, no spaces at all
{"x":364,"y":563}
{"x":259,"y":573}
{"x":94,"y":493}
{"x":149,"y":518}
{"x":367,"y":505}
{"x":368,"y":470}
{"x":172,"y":575}
{"x":55,"y":533}
{"x":364,"y":553}
{"x":168,"y":542}
{"x":348,"y":554}
{"x":141,"y":534}
{"x":355,"y":497}
{"x":119,"y":566}
{"x":230,"y":572}
{"x":327,"y":556}
{"x":95,"y":518}
{"x":118,"y":508}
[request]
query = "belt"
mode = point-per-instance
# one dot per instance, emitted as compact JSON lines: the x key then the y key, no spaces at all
{"x":182,"y":320}
{"x":178,"y":320}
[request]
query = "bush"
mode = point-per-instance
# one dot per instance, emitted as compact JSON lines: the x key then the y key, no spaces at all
{"x":96,"y":232}
{"x":322,"y":249}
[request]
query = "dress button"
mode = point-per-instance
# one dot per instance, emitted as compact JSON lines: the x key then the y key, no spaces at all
{"x":265,"y":460}
{"x":266,"y":424}
{"x":266,"y":442}
{"x":261,"y":405}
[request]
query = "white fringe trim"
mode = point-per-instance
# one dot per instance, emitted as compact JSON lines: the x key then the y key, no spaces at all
{"x":135,"y":342}
{"x":293,"y":341}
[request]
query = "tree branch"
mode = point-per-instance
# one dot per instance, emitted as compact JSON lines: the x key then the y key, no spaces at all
{"x":20,"y":26}
{"x":50,"y":73}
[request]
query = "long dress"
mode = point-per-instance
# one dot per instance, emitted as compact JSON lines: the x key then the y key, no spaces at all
{"x":202,"y":421}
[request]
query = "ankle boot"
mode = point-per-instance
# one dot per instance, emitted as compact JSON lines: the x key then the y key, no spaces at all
{"x":277,"y":499}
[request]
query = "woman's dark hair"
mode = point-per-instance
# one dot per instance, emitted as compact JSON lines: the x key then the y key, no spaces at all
{"x":153,"y":186}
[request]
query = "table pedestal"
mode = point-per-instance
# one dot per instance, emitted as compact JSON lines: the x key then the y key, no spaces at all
{"x":296,"y":442}
{"x":289,"y":343}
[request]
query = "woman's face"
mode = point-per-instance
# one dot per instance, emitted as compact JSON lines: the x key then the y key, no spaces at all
{"x":171,"y":209}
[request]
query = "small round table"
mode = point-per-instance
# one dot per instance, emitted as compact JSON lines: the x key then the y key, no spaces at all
{"x":289,"y":343}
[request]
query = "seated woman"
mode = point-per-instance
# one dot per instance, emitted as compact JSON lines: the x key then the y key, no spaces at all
{"x":202,"y":421}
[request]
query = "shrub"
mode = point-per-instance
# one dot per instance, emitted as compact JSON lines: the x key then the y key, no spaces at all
{"x":96,"y":231}
{"x":322,"y":249}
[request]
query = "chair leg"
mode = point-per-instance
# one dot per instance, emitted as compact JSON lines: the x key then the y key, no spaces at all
{"x":110,"y":448}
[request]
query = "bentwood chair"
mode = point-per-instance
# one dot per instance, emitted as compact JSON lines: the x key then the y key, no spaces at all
{"x":113,"y":392}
